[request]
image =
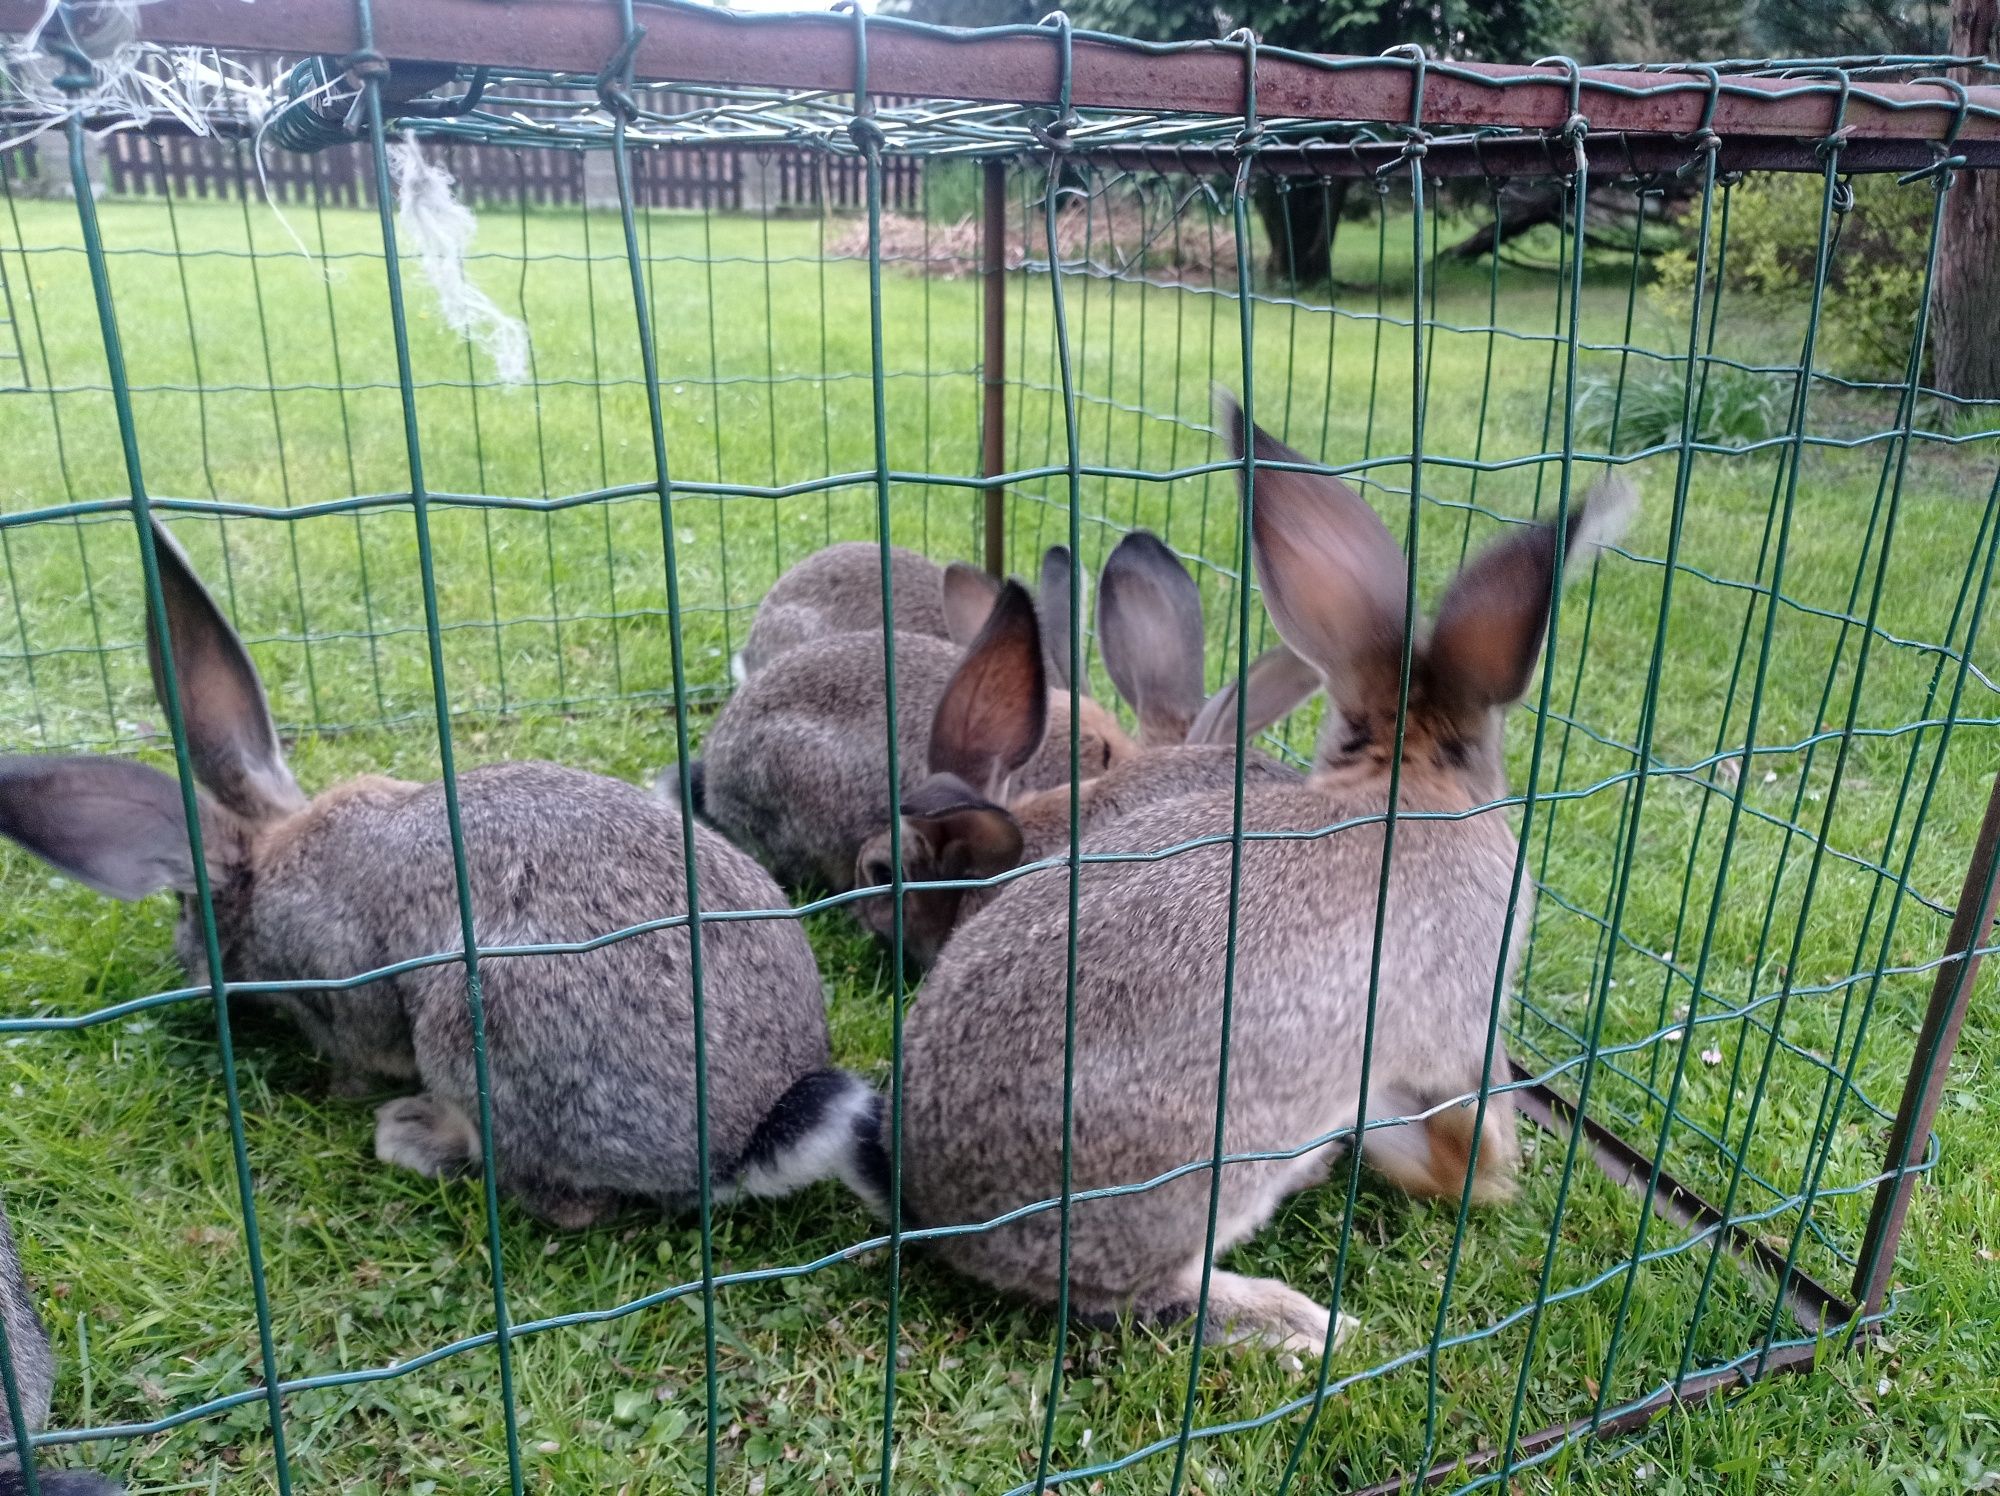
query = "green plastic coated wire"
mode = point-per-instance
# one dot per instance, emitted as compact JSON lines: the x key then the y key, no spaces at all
{"x":461,"y":875}
{"x":557,"y":618}
{"x":203,"y":894}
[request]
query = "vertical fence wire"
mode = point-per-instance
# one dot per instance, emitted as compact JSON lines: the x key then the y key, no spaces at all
{"x":1073,"y":654}
{"x":617,"y":99}
{"x":447,"y":763}
{"x":1067,"y":210}
{"x":1600,"y":1001}
{"x":867,"y":137}
{"x":10,"y":1392}
{"x":128,"y":433}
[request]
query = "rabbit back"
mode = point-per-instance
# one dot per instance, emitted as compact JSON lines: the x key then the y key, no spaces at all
{"x":838,"y":590}
{"x":986,"y":1041}
{"x":591,"y":1053}
{"x":795,"y":768}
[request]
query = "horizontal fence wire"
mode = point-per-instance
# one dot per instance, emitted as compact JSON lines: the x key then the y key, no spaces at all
{"x":1737,"y":796}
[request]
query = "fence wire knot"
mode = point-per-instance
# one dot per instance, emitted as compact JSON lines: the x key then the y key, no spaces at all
{"x":1575,"y":129}
{"x":1253,"y":126}
{"x":364,"y":64}
{"x":614,"y":79}
{"x":60,"y":41}
{"x":867,"y":135}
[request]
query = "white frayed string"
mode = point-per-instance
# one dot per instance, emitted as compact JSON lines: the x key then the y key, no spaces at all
{"x":132,"y":82}
{"x":441,"y":229}
{"x":264,"y":114}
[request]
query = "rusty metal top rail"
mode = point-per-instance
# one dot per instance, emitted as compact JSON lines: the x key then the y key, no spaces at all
{"x":697,"y":44}
{"x":1166,"y":101}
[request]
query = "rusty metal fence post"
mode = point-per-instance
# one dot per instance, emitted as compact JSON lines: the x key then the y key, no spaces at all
{"x":1937,"y":1040}
{"x":993,"y":359}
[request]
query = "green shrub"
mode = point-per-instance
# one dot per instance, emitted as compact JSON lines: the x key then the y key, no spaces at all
{"x":1738,"y":407}
{"x":1874,"y":280}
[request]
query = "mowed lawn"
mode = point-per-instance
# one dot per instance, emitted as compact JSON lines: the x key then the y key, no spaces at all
{"x":259,"y":380}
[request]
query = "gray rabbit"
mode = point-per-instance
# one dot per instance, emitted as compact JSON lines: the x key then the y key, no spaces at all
{"x":795,"y":767}
{"x":838,"y":590}
{"x":591,"y":1053}
{"x":982,"y":1095}
{"x":34,"y":1379}
{"x":1149,"y":630}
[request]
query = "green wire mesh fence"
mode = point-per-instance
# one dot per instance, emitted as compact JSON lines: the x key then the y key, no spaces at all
{"x":1744,"y":788}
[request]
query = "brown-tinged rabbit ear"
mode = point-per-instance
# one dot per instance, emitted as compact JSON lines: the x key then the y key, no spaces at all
{"x":1280,"y":683}
{"x":1149,"y":629}
{"x":1334,"y":578}
{"x":957,"y":833}
{"x":949,"y":832}
{"x":109,"y":823}
{"x":230,"y":736}
{"x":1491,"y":619}
{"x":969,"y":595}
{"x":996,"y":706}
{"x":1052,"y":604}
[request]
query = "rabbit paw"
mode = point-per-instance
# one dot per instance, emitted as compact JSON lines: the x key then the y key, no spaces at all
{"x":1265,"y":1312}
{"x":569,"y":1209}
{"x":423,"y":1133}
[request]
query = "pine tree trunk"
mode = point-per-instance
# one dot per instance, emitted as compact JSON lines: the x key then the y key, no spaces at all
{"x":1965,"y":314}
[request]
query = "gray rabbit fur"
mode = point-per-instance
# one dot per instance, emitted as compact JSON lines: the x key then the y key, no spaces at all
{"x":838,"y":590}
{"x":34,"y":1370}
{"x":591,"y":1054}
{"x":982,"y":1096}
{"x":1149,"y":629}
{"x":795,"y":767}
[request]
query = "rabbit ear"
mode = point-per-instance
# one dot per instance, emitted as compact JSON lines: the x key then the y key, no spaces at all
{"x":230,"y":735}
{"x":963,"y":834}
{"x":1149,"y":627}
{"x":112,"y":824}
{"x":969,"y":594}
{"x":996,"y":705}
{"x":949,"y":832}
{"x":1052,"y":604}
{"x":1492,"y":618}
{"x":1280,"y":682}
{"x":1333,"y":577}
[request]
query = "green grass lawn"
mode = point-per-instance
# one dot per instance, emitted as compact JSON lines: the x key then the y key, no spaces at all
{"x":260,"y":381}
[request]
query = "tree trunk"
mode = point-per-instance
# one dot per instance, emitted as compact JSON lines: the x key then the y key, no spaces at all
{"x":1965,"y":314}
{"x":1300,"y":224}
{"x":1523,"y":206}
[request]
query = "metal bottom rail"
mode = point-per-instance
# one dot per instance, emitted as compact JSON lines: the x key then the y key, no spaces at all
{"x":1817,"y":1308}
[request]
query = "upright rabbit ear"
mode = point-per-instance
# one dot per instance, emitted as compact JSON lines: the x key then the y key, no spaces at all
{"x":969,"y":594}
{"x":996,"y":705}
{"x":1052,"y":604}
{"x":1149,"y":626}
{"x":1492,"y":618}
{"x":1280,"y":682}
{"x":1333,"y":577}
{"x":229,"y":730}
{"x":112,"y":824}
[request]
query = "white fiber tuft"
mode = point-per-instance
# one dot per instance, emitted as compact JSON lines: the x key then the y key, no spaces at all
{"x":1608,"y":509}
{"x":132,"y":82}
{"x":440,"y":229}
